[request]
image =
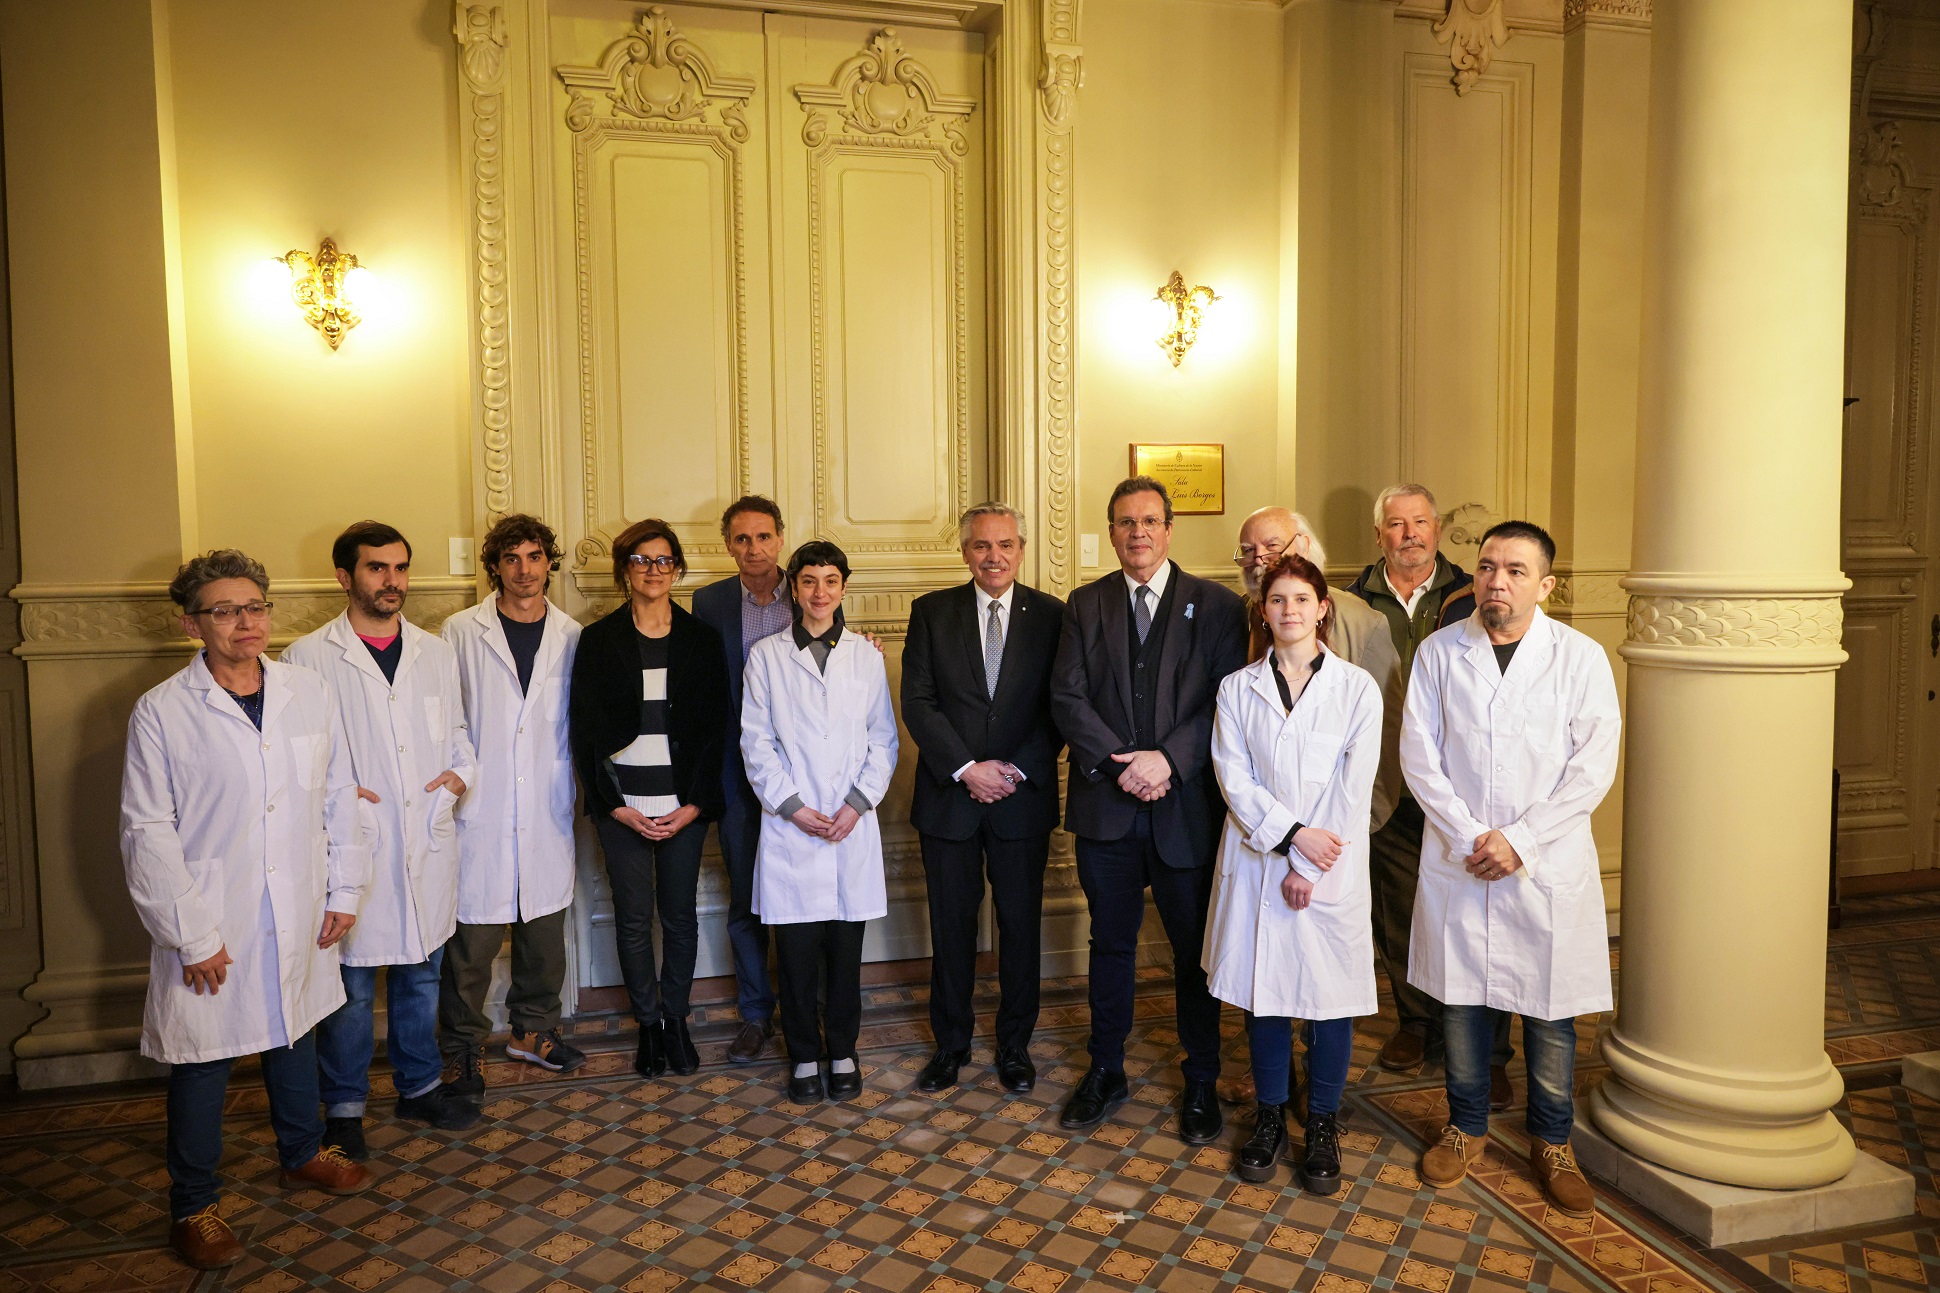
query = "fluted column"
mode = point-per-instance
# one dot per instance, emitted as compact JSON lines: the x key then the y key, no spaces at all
{"x":1717,"y":1058}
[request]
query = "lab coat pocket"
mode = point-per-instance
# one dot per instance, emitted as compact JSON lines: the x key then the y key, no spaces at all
{"x":440,"y":818}
{"x":201,"y":908}
{"x":564,"y":791}
{"x":308,"y":755}
{"x":1319,"y":755}
{"x":1544,"y":726}
{"x":434,"y":718}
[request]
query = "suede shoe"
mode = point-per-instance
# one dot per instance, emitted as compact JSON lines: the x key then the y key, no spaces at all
{"x":1015,"y":1072}
{"x":682,"y":1055}
{"x":1200,"y":1121}
{"x":330,"y":1172}
{"x":1448,"y":1161}
{"x":465,"y":1073}
{"x":1404,"y":1052}
{"x":1320,"y":1156}
{"x":1555,"y":1169}
{"x":544,"y":1049}
{"x":1258,"y":1157}
{"x":941,"y":1072}
{"x":347,"y":1135}
{"x":1501,"y":1093}
{"x":205,"y":1241}
{"x":650,"y":1059}
{"x":1099,"y":1093}
{"x":843,"y":1085}
{"x":748,"y":1044}
{"x":441,"y":1107}
{"x":805,"y":1090}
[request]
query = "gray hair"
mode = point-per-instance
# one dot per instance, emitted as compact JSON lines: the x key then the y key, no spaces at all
{"x":1400,"y":491}
{"x":1304,"y":536}
{"x":198,"y":573}
{"x":989,"y":509}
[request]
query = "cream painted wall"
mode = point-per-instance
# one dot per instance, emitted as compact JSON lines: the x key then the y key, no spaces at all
{"x":1179,"y":157}
{"x":269,"y":160}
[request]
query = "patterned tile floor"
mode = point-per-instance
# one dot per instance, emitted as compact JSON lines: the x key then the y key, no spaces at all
{"x":605,"y":1182}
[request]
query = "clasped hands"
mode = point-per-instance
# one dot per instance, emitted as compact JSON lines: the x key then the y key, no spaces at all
{"x":1494,"y":857}
{"x":991,"y":780}
{"x":833,"y":829}
{"x":1320,"y":847}
{"x":1147,"y":774}
{"x":664,"y":827}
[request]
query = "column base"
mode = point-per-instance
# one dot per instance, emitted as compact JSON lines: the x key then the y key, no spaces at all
{"x":1732,"y":1146}
{"x":1922,"y":1073}
{"x":91,"y":1069}
{"x":1732,"y":1214}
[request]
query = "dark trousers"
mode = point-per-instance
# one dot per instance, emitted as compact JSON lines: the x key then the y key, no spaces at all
{"x":1549,"y":1044}
{"x":642,"y":871}
{"x":1394,"y":874}
{"x":747,"y":936}
{"x":538,"y":970}
{"x":955,"y":871}
{"x":1115,"y":875}
{"x":195,"y":1099}
{"x":821,"y":988}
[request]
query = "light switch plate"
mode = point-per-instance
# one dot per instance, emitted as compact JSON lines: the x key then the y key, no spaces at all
{"x":461,"y":557}
{"x":1088,"y":549}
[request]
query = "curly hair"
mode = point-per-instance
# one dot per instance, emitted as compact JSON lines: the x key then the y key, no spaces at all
{"x":512,"y":531}
{"x":198,"y":573}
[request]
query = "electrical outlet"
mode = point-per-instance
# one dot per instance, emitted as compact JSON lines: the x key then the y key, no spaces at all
{"x":461,"y":557}
{"x":1088,"y":550}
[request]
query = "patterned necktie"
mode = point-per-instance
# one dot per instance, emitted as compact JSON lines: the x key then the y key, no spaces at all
{"x":993,"y":650}
{"x":1142,"y":613}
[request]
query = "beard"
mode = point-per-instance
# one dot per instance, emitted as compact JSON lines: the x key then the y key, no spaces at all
{"x":367,"y":602}
{"x":1495,"y":615}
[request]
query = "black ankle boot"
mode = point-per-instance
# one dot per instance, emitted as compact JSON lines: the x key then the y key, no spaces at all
{"x":651,"y":1059}
{"x":1261,"y":1153}
{"x":682,"y":1057}
{"x":1320,"y":1159}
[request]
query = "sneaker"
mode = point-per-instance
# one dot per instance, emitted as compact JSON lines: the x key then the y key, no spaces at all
{"x":544,"y":1049}
{"x":347,"y":1136}
{"x":465,"y":1073}
{"x":1555,"y":1169}
{"x":441,"y":1107}
{"x":205,"y":1241}
{"x":1447,"y":1162}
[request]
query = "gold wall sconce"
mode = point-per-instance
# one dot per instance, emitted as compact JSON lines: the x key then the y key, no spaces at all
{"x":319,"y":284}
{"x":1185,"y":311}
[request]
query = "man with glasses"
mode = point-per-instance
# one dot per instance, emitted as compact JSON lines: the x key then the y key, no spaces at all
{"x":397,"y":692}
{"x":1139,"y":662}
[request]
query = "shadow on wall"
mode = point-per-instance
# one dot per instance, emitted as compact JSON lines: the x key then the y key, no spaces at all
{"x":95,"y":834}
{"x":1347,"y":526}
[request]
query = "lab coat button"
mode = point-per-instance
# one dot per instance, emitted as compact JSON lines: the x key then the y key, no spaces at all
{"x":522,"y":781}
{"x":272,"y":870}
{"x":272,"y":808}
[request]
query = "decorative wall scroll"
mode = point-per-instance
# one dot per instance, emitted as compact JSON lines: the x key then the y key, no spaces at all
{"x":654,"y":83}
{"x":1060,"y":75}
{"x":481,"y":33}
{"x":1473,"y":30}
{"x":884,"y":100}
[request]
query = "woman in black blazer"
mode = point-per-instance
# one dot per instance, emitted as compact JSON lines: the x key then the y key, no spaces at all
{"x":650,"y":718}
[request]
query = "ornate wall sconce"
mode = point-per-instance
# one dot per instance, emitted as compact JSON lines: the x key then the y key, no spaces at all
{"x":1186,"y":308}
{"x":320,"y":285}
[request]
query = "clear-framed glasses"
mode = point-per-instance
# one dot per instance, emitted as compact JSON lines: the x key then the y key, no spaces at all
{"x":1133,"y":524}
{"x":1246,"y":554}
{"x":641,"y":561}
{"x":231,"y":614}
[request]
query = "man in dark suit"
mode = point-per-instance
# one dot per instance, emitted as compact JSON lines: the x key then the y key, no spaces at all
{"x":744,"y":608}
{"x":977,"y":702}
{"x":1138,"y":670}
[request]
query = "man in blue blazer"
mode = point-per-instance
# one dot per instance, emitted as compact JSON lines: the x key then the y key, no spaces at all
{"x":744,"y":608}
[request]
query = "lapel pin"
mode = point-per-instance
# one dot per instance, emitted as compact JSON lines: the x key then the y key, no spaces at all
{"x":1188,"y":610}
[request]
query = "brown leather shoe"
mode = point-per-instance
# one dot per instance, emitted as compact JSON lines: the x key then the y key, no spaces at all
{"x":331,"y":1172}
{"x":1403,"y":1052}
{"x":205,"y":1241}
{"x":1555,"y":1169}
{"x":748,"y":1044}
{"x":1447,"y":1162}
{"x":1238,"y":1090}
{"x":1501,"y":1093}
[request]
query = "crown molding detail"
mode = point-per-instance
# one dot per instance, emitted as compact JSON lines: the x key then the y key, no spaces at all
{"x":626,"y":78}
{"x":883,"y":64}
{"x":1634,"y":14}
{"x":1473,"y":30}
{"x":481,"y":34}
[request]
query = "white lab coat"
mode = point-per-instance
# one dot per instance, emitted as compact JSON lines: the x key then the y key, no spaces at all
{"x":817,"y":736}
{"x":240,"y":839}
{"x":515,"y":824}
{"x":402,"y":736}
{"x":1316,"y":767}
{"x":1530,"y":753}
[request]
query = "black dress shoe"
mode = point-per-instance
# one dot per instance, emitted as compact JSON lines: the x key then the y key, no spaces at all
{"x":1200,"y":1121}
{"x":805,"y":1090}
{"x":650,"y":1060}
{"x":941,"y":1071}
{"x":682,"y":1058}
{"x":1261,"y":1153}
{"x":347,"y":1134}
{"x":844,"y":1085}
{"x":1015,"y":1072}
{"x":1098,"y":1094}
{"x":1320,"y":1158}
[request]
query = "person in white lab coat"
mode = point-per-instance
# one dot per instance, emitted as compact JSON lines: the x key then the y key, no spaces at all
{"x":1296,"y":746}
{"x":396,"y":688}
{"x":515,"y":828}
{"x":818,"y":737}
{"x":245,"y":905}
{"x":1509,"y":742}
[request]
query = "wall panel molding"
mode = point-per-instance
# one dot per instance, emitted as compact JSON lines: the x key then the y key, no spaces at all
{"x":1060,"y":76}
{"x":481,"y":34}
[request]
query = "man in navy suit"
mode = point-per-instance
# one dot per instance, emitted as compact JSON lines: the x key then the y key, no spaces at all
{"x":1138,"y":670}
{"x":744,"y":608}
{"x":977,"y":702}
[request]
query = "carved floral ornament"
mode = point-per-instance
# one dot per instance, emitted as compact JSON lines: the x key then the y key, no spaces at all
{"x":1473,"y":30}
{"x":655,"y":73}
{"x":884,"y":90}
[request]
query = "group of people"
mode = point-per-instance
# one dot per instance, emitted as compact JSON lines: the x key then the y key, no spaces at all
{"x":1303,"y":777}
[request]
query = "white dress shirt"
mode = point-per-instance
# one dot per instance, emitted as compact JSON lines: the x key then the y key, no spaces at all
{"x":1160,"y":578}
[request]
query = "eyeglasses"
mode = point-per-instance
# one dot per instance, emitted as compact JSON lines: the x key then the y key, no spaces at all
{"x":1244,"y":555}
{"x":640,"y":561}
{"x":1133,"y":524}
{"x":229,"y":614}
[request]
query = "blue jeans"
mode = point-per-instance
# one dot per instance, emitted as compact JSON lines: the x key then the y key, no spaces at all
{"x":747,"y":936}
{"x":1549,"y":1046}
{"x":347,"y":1037}
{"x":195,"y":1098}
{"x":1330,"y":1045}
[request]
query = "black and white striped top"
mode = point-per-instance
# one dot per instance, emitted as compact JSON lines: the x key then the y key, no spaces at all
{"x":645,"y":768}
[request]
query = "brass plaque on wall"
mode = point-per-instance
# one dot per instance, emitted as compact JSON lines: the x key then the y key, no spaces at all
{"x":1194,"y":474}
